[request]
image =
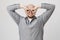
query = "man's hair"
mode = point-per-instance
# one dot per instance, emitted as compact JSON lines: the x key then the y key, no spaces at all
{"x":31,"y":5}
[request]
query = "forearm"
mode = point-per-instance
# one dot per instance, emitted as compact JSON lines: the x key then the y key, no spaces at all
{"x":47,"y":6}
{"x":13,"y":7}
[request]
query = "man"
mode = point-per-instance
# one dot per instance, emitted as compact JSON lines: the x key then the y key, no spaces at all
{"x":31,"y":27}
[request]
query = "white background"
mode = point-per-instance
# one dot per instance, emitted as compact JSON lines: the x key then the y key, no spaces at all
{"x":9,"y":29}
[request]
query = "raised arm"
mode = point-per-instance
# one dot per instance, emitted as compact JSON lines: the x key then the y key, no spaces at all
{"x":49,"y":10}
{"x":11,"y":10}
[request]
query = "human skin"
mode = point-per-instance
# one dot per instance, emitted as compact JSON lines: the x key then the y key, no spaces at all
{"x":30,"y":10}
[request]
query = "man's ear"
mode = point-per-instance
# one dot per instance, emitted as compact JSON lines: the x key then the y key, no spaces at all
{"x":36,"y":8}
{"x":24,"y":8}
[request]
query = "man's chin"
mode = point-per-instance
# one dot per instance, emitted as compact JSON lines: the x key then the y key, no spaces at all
{"x":30,"y":16}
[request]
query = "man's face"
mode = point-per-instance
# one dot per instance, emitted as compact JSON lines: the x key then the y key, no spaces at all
{"x":30,"y":10}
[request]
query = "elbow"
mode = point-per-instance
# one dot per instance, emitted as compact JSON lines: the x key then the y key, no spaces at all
{"x":8,"y":8}
{"x":52,"y":7}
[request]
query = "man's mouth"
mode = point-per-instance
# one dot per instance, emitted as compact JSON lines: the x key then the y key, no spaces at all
{"x":30,"y":16}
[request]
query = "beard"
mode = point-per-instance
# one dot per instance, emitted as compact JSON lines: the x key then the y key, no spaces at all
{"x":31,"y":16}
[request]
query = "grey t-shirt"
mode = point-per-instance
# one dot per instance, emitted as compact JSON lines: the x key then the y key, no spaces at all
{"x":33,"y":30}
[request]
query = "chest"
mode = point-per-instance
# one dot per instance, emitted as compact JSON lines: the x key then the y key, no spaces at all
{"x":35,"y":24}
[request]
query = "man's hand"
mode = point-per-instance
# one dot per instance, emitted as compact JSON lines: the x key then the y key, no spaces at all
{"x":37,"y":6}
{"x":22,"y":6}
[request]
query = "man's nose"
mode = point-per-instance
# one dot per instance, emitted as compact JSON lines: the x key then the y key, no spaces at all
{"x":30,"y":11}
